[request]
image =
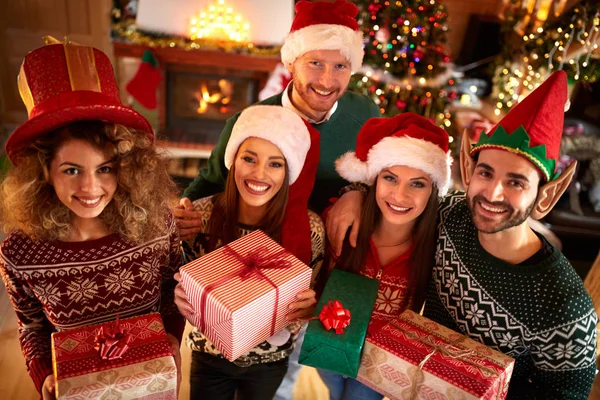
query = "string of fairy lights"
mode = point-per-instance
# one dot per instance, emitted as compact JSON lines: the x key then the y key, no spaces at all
{"x":567,"y":43}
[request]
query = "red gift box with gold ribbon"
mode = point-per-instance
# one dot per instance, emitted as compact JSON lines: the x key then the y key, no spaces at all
{"x":241,"y":292}
{"x":413,"y":357}
{"x":129,"y":359}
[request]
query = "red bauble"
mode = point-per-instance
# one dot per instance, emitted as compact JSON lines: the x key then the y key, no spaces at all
{"x":401,"y":105}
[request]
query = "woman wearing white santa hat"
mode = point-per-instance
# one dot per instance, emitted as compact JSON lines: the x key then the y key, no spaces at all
{"x":406,"y":163}
{"x":270,"y":148}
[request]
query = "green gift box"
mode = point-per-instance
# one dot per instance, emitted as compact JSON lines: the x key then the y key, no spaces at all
{"x":325,"y":349}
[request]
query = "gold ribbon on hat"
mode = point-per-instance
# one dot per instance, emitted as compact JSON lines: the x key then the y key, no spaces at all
{"x":450,"y":350}
{"x":81,"y":66}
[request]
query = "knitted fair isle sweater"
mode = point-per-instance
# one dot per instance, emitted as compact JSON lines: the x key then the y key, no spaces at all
{"x":55,"y":286}
{"x":197,"y":248}
{"x":539,"y":314}
{"x":393,"y":285}
{"x":338,"y":135}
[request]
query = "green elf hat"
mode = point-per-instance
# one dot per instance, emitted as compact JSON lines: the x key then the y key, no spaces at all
{"x":533,"y":128}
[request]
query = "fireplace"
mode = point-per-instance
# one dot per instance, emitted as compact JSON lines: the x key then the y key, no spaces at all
{"x":199,"y":102}
{"x":201,"y":89}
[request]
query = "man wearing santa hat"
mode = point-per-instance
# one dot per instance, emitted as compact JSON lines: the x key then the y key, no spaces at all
{"x":497,"y":280}
{"x":323,"y":48}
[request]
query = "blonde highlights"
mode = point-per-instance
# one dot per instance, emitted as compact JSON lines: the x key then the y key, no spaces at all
{"x":145,"y":192}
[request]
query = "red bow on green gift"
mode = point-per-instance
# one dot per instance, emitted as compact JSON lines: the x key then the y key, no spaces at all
{"x":112,"y":341}
{"x":334,"y":315}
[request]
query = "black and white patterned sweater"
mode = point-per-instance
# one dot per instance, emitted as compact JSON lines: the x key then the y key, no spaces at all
{"x":539,"y":314}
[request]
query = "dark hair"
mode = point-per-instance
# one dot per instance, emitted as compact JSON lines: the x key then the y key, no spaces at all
{"x":422,"y":257}
{"x":223,"y":223}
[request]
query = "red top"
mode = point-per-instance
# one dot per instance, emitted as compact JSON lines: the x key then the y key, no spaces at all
{"x":393,"y":284}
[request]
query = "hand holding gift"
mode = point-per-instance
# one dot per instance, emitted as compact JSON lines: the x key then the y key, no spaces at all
{"x":339,"y":349}
{"x":110,"y":357}
{"x":242,"y":293}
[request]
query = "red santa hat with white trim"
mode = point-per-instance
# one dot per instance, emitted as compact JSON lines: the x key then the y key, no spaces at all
{"x":406,"y":139}
{"x":299,"y":142}
{"x":324,"y":25}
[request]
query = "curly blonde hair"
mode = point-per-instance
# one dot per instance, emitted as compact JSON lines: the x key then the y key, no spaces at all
{"x":145,"y":191}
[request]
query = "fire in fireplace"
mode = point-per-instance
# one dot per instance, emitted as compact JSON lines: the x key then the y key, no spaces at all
{"x":198,"y":103}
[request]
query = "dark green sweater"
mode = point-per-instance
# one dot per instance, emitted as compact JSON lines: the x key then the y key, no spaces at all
{"x":539,"y":313}
{"x":338,"y":135}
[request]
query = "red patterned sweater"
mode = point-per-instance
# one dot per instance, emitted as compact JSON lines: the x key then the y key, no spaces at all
{"x":57,"y":285}
{"x":393,"y":284}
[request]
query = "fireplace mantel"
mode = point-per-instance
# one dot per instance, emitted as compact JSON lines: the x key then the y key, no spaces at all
{"x":219,"y":63}
{"x":179,"y":56}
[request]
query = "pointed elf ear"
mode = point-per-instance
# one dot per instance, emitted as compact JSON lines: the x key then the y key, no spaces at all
{"x":550,"y":193}
{"x":467,"y":164}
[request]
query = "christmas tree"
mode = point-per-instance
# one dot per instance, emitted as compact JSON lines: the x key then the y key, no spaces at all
{"x":406,"y":58}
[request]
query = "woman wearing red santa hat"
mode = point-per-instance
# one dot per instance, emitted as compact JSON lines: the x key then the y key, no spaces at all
{"x":270,"y":149}
{"x":87,"y":204}
{"x":405,"y":162}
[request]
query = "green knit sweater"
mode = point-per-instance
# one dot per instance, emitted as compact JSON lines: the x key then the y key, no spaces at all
{"x":539,"y":314}
{"x":338,"y":135}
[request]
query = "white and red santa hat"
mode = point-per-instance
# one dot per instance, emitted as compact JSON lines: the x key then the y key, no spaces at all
{"x":300,"y":144}
{"x":278,"y":125}
{"x":406,"y":139}
{"x":324,"y":26}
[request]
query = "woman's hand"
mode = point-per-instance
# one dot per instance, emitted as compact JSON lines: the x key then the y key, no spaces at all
{"x":177,"y":355}
{"x":48,"y":388}
{"x":181,"y":300}
{"x":303,"y":307}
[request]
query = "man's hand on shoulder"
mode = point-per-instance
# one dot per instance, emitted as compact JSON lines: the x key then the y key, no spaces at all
{"x":344,"y":214}
{"x":189,"y":221}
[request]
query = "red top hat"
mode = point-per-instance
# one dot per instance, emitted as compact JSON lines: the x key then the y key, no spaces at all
{"x":65,"y":83}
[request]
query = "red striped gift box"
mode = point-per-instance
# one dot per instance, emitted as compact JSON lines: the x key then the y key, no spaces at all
{"x":145,"y":370}
{"x":241,"y":292}
{"x":413,"y":357}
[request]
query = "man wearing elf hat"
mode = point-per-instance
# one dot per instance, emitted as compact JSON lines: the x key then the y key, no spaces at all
{"x":322,"y":49}
{"x":498,"y":281}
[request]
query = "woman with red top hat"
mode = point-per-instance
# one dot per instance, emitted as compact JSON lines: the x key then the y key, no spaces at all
{"x":87,"y":207}
{"x":405,"y":162}
{"x":270,"y":150}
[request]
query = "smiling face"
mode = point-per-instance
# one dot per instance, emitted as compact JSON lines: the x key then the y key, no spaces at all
{"x":402,"y":194}
{"x":502,"y":191}
{"x":260,"y":171}
{"x":83,"y":178}
{"x":320,"y":78}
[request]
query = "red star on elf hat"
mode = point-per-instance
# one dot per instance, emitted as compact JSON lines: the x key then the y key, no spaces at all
{"x":63,"y":83}
{"x":324,"y":25}
{"x":533,"y":128}
{"x":406,"y":139}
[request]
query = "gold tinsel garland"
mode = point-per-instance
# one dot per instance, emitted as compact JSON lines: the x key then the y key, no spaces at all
{"x":128,"y":32}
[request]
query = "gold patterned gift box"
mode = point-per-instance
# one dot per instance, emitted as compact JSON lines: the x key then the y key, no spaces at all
{"x":126,"y":359}
{"x":413,"y":357}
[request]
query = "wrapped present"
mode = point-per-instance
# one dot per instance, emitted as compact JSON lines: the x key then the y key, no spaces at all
{"x":334,"y":342}
{"x":241,"y":292}
{"x":127,"y":359}
{"x":413,"y":357}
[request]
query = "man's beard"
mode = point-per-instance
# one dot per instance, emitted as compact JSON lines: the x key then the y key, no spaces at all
{"x":514,"y":218}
